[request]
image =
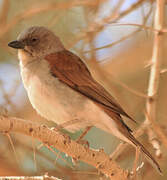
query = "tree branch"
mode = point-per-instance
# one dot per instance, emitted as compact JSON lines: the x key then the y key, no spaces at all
{"x":98,"y":159}
{"x":155,"y":71}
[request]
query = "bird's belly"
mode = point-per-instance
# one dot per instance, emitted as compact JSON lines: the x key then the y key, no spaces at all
{"x":57,"y":102}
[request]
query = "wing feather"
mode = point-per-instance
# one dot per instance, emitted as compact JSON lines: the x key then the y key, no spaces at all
{"x":73,"y":72}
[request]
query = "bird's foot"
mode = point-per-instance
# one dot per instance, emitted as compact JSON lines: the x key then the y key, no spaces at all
{"x":83,"y":142}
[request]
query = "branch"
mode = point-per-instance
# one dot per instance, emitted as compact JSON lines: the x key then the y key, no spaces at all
{"x":155,"y":71}
{"x":98,"y":159}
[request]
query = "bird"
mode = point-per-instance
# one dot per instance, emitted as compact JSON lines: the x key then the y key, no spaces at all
{"x":61,"y":88}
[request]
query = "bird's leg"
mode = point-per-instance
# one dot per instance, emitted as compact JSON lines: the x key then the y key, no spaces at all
{"x":116,"y":152}
{"x":80,"y":139}
{"x":136,"y":160}
{"x":84,"y":133}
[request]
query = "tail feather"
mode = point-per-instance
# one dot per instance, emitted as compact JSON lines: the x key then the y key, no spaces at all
{"x":146,"y":153}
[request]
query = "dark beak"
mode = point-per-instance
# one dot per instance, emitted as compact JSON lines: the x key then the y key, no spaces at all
{"x":16,"y":45}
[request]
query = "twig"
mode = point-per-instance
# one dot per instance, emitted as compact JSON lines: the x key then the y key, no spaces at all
{"x":111,"y":19}
{"x":127,"y":36}
{"x":142,"y":26}
{"x":99,"y":26}
{"x":44,"y":177}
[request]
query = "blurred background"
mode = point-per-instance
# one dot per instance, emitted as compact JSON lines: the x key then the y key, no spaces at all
{"x":118,"y":53}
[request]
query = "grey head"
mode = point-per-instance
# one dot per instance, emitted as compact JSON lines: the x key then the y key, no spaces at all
{"x":37,"y":41}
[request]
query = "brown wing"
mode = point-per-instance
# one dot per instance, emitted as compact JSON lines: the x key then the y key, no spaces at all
{"x":72,"y":71}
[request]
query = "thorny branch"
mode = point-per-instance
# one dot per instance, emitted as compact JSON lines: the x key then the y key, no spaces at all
{"x":155,"y":75}
{"x":98,"y":159}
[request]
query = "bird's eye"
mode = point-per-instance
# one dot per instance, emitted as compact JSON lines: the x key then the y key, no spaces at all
{"x":34,"y":39}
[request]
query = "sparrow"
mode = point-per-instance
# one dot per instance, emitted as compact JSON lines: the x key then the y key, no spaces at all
{"x":61,"y":88}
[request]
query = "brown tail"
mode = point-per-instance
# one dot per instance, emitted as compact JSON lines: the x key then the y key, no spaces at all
{"x":146,"y":153}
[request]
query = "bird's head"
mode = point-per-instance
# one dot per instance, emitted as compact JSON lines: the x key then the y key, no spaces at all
{"x":37,"y":42}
